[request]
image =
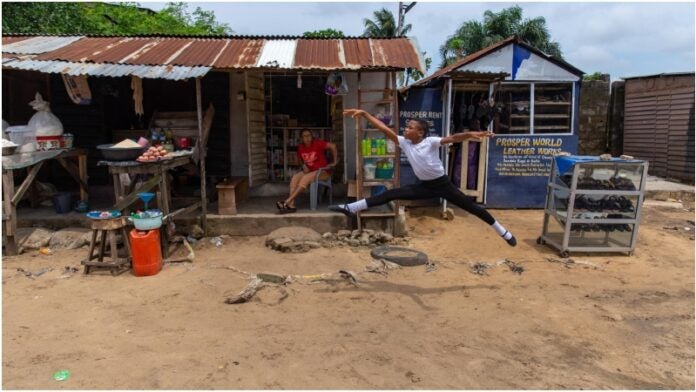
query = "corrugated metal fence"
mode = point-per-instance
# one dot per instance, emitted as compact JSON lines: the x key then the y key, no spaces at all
{"x":659,"y":124}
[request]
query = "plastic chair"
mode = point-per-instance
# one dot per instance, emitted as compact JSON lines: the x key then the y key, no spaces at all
{"x":314,"y":196}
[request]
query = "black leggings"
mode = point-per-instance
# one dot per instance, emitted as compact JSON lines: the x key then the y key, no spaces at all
{"x":440,"y":187}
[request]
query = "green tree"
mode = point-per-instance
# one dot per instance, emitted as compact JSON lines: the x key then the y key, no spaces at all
{"x":107,"y":18}
{"x":415,"y":74}
{"x":384,"y":26}
{"x":595,"y":76}
{"x":325,"y":33}
{"x":473,"y":35}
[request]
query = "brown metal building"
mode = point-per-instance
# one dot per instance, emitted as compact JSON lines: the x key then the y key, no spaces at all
{"x":659,"y":123}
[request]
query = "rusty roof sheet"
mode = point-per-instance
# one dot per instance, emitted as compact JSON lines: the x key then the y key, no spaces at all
{"x":9,"y":40}
{"x":81,"y":50}
{"x":240,"y":53}
{"x":222,"y":52}
{"x":357,"y":52}
{"x":314,"y":53}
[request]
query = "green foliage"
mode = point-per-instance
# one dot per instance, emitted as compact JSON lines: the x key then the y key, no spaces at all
{"x":107,"y":18}
{"x":473,"y":35}
{"x":414,"y":74}
{"x":384,"y":25}
{"x":594,"y":76}
{"x":325,"y":33}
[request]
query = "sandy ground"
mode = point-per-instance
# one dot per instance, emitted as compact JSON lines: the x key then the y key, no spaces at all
{"x":626,"y":324}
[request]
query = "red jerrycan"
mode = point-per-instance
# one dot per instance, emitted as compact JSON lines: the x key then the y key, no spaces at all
{"x":147,"y":254}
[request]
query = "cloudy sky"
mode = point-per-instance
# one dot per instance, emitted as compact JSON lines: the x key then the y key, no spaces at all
{"x":622,"y":39}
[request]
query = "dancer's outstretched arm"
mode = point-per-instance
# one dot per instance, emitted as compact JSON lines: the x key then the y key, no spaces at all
{"x":374,"y":121}
{"x":462,"y":136}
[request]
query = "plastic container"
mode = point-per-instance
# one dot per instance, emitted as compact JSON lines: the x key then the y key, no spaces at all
{"x":62,"y":202}
{"x":369,"y":171}
{"x":45,"y":143}
{"x":23,"y":136}
{"x":152,"y":221}
{"x":384,"y":174}
{"x":146,"y":250}
{"x":66,"y":140}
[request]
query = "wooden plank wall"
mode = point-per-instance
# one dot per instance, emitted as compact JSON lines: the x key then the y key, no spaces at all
{"x":659,"y":124}
{"x":256,"y":125}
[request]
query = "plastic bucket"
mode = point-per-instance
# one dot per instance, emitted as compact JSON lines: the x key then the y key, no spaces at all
{"x":62,"y":202}
{"x":146,"y":252}
{"x":384,"y":174}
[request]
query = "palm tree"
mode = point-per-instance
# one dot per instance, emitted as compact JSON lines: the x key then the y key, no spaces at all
{"x":473,"y":35}
{"x":384,"y":26}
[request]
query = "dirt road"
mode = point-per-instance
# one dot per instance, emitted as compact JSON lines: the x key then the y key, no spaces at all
{"x":608,"y":321}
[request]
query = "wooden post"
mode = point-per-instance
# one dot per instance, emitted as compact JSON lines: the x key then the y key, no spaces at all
{"x":201,"y":156}
{"x":82,"y":165}
{"x":9,"y":212}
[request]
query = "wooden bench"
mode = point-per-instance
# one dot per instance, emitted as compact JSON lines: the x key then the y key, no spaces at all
{"x":231,"y":192}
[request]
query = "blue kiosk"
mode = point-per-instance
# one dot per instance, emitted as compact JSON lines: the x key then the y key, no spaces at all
{"x":528,"y":98}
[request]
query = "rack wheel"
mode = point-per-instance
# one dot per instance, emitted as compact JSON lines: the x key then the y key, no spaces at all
{"x":540,"y":241}
{"x":85,"y":270}
{"x":630,"y":253}
{"x":565,"y":254}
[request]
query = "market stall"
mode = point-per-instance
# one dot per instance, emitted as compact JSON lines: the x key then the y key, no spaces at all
{"x":74,"y":160}
{"x":528,"y":98}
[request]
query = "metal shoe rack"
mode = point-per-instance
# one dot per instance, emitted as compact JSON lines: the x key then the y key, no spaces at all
{"x":594,"y":206}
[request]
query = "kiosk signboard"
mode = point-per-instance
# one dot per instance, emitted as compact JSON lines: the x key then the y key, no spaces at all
{"x":519,"y":166}
{"x":420,"y":103}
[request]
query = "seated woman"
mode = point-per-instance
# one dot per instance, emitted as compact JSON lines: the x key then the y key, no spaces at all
{"x":312,"y":154}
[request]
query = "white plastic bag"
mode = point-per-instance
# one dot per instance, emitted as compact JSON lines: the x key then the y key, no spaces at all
{"x":44,"y":122}
{"x":336,"y":84}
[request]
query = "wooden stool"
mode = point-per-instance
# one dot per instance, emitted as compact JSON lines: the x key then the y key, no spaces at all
{"x":110,"y":227}
{"x":231,"y":193}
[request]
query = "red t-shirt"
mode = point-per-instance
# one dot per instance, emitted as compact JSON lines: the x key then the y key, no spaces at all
{"x":313,"y":156}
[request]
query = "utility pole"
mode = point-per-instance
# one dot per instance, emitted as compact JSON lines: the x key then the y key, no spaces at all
{"x":403,"y":9}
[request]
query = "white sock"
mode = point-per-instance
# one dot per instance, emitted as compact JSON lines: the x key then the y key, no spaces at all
{"x":501,"y":230}
{"x":357,"y":206}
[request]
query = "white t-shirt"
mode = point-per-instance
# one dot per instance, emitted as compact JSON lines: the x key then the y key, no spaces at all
{"x":424,"y":157}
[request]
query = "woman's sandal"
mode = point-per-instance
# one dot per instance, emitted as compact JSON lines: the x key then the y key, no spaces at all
{"x":280,"y":205}
{"x":285,"y":209}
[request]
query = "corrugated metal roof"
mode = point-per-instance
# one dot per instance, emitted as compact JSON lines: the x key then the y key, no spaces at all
{"x":110,"y":70}
{"x":209,"y":53}
{"x":277,"y":54}
{"x":37,"y":45}
{"x":241,"y":53}
{"x":660,"y":75}
{"x":9,"y":40}
{"x":482,"y":52}
{"x":318,"y":54}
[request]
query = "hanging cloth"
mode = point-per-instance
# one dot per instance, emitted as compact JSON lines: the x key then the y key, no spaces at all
{"x":137,"y":87}
{"x":78,"y":89}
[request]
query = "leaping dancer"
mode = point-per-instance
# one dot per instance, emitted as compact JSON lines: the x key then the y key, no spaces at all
{"x":423,"y":155}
